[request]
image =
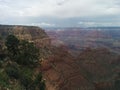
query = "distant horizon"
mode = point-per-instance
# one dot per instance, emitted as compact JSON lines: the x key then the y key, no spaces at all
{"x":62,"y":26}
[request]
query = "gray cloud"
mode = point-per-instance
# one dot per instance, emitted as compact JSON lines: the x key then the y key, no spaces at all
{"x":60,"y":12}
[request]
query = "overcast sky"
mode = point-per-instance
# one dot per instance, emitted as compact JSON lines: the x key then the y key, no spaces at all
{"x":56,"y":13}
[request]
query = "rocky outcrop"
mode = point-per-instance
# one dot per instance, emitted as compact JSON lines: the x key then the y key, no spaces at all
{"x":62,"y":73}
{"x":30,"y":33}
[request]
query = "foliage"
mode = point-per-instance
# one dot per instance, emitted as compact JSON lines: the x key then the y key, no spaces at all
{"x":28,"y":53}
{"x":2,"y":57}
{"x":12,"y":46}
{"x":39,"y":82}
{"x":12,"y":70}
{"x":4,"y":79}
{"x":22,"y":55}
{"x":30,"y":81}
{"x":26,"y":78}
{"x":22,"y":52}
{"x":42,"y":85}
{"x":38,"y":78}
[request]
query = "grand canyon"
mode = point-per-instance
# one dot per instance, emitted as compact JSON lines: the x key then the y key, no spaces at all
{"x":73,"y":58}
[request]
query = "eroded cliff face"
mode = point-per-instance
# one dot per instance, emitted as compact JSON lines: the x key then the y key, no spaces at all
{"x":94,"y":69}
{"x":30,"y":33}
{"x":61,"y":70}
{"x":62,"y":73}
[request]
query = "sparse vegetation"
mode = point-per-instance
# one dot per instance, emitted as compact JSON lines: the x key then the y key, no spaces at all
{"x":22,"y":58}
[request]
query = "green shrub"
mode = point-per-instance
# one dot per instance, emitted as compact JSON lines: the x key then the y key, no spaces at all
{"x":42,"y":85}
{"x":12,"y":46}
{"x":13,"y":71}
{"x":4,"y":79}
{"x":39,"y":82}
{"x":26,"y":77}
{"x":38,"y":79}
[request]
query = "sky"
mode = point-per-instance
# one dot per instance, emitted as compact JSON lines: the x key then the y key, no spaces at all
{"x":60,"y":13}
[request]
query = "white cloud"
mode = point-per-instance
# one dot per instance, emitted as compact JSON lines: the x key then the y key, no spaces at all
{"x":59,"y":9}
{"x":44,"y":24}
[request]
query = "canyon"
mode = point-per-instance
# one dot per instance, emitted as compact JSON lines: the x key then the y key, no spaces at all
{"x":73,"y":59}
